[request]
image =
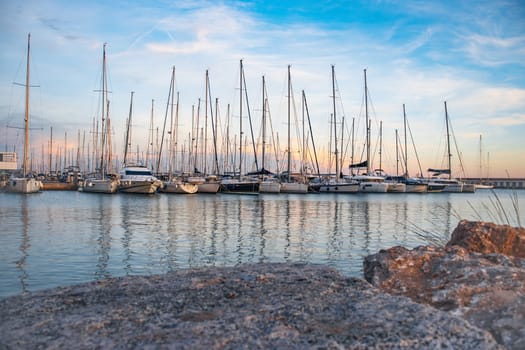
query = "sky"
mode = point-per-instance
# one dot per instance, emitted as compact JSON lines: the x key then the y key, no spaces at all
{"x":470,"y":54}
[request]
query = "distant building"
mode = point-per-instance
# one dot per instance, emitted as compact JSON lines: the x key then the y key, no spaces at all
{"x":8,"y":161}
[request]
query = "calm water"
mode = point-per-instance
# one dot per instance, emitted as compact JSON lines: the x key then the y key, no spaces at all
{"x":60,"y":238}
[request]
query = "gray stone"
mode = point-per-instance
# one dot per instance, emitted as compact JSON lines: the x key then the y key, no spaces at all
{"x":277,"y":306}
{"x":488,"y":290}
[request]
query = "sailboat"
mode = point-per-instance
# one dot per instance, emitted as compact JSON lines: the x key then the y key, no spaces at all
{"x":413,"y":185}
{"x":451,"y":184}
{"x":26,"y":183}
{"x":368,"y":182}
{"x":101,"y":181}
{"x":267,"y":181}
{"x":174,"y":184}
{"x":241,"y":183}
{"x":288,"y":183}
{"x":136,"y":178}
{"x":337,"y":184}
{"x":482,"y":185}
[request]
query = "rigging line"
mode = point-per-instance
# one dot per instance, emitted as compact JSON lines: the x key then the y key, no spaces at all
{"x":415,"y":149}
{"x":460,"y":158}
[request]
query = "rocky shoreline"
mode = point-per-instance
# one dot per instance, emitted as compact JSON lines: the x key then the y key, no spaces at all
{"x":425,"y":298}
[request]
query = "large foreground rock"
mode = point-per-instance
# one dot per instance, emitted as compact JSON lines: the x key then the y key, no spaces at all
{"x":271,"y":306}
{"x":487,"y":289}
{"x":487,"y":237}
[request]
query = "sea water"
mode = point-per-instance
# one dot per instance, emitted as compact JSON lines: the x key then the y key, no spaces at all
{"x":59,"y":238}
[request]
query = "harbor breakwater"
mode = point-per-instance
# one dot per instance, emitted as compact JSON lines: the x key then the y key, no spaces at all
{"x":469,"y":295}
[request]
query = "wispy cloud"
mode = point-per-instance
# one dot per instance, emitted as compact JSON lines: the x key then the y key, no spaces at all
{"x":495,"y":51}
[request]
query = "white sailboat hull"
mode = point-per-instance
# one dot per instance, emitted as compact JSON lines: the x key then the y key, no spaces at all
{"x":397,"y":187}
{"x":416,"y":188}
{"x":138,"y":179}
{"x":138,"y":186}
{"x":179,"y":187}
{"x":453,"y":188}
{"x":99,"y":186}
{"x":293,"y":187}
{"x":483,"y":187}
{"x":269,"y":187}
{"x":373,"y":187}
{"x":339,"y":187}
{"x":208,"y":187}
{"x":23,"y":185}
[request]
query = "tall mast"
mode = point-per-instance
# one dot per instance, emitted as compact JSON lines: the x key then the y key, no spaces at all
{"x":176,"y":132}
{"x":51,"y":150}
{"x":215,"y":135}
{"x":26,"y":118}
{"x":240,"y":121}
{"x":448,"y":144}
{"x":480,"y":160}
{"x":263,"y":120}
{"x":334,"y":116}
{"x":150,"y":149}
{"x":103,"y":103}
{"x":397,"y":155}
{"x":406,"y":149}
{"x":172,"y":135}
{"x":128,"y":131}
{"x":205,"y":152}
{"x":289,"y":96}
{"x":367,"y":129}
{"x":380,"y":146}
{"x":169,"y":106}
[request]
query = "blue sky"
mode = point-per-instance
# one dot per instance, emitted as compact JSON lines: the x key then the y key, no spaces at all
{"x":420,"y":53}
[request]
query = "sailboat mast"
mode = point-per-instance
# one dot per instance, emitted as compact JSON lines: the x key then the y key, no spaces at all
{"x":103,"y":103}
{"x":205,"y":152}
{"x":406,"y":149}
{"x":263,"y":121}
{"x":172,"y":134}
{"x":240,"y":120}
{"x":128,"y":131}
{"x":367,"y":129}
{"x":380,"y":146}
{"x":449,"y":155}
{"x":289,"y":151}
{"x":335,"y":124}
{"x":397,"y":154}
{"x":26,"y":117}
{"x":480,"y":160}
{"x":176,"y":135}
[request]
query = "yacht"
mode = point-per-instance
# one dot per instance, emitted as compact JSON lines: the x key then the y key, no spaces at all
{"x":138,"y":179}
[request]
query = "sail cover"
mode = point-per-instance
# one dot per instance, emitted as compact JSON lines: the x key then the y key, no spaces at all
{"x":439,"y":171}
{"x":359,"y":165}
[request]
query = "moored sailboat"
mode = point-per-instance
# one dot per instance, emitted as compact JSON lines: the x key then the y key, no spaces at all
{"x":368,"y":182}
{"x":450,"y":184}
{"x":102,"y":180}
{"x":240,"y":183}
{"x":174,"y":184}
{"x":136,"y":178}
{"x":289,"y":183}
{"x":25,"y":182}
{"x":337,"y":184}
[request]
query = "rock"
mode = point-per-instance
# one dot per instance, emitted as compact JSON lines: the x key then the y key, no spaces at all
{"x":278,"y":306}
{"x":488,"y":290}
{"x":486,"y":237}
